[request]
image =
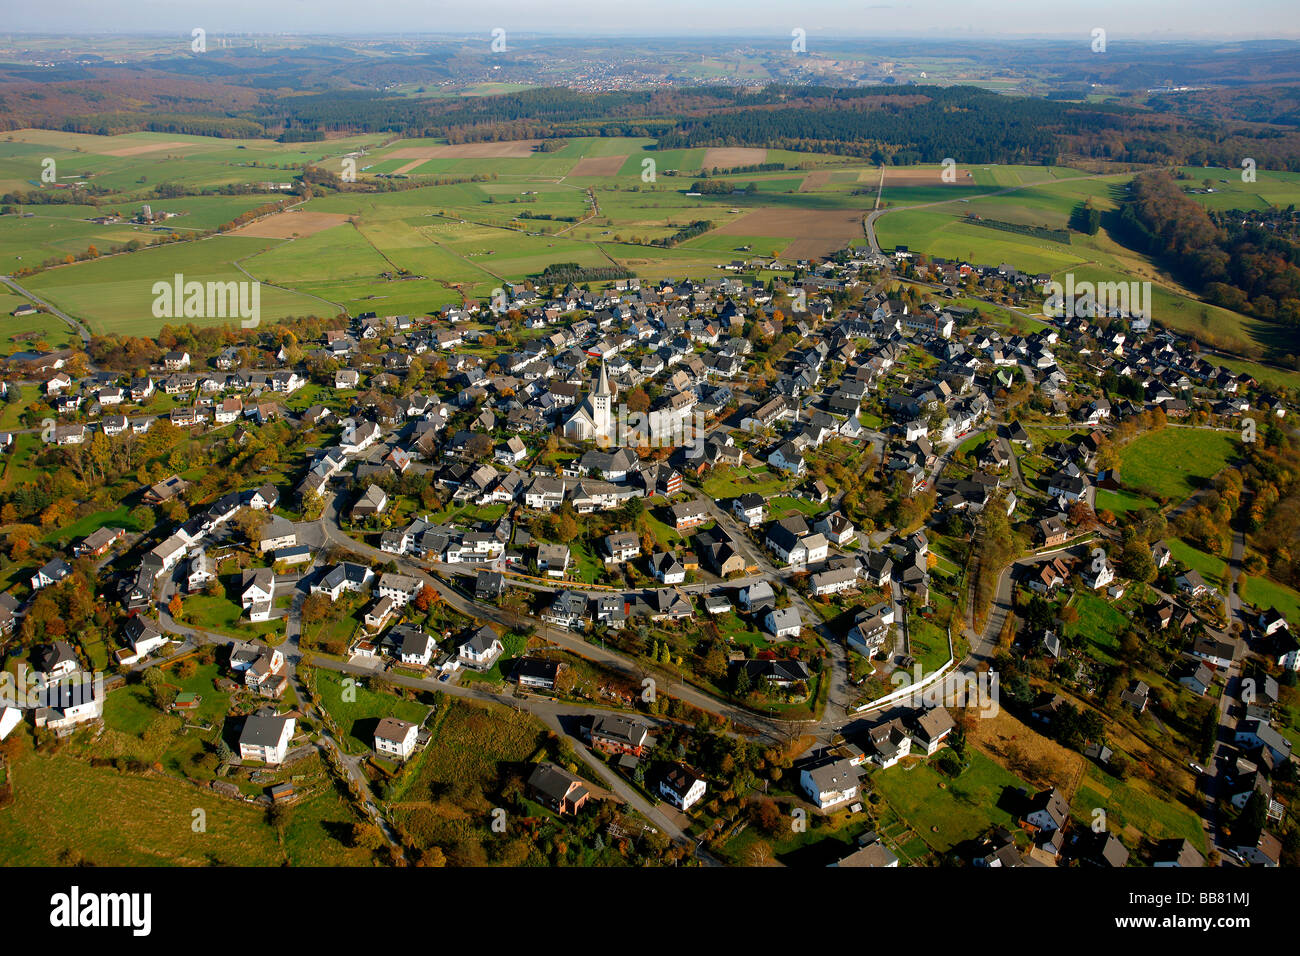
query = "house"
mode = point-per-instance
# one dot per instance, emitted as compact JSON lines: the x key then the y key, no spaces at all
{"x":1048,"y":812}
{"x":749,"y":508}
{"x":373,"y":501}
{"x":343,"y":577}
{"x":617,"y":734}
{"x":489,"y":585}
{"x":56,"y":660}
{"x":416,"y":647}
{"x":257,"y":592}
{"x":266,"y":737}
{"x":621,"y":547}
{"x":682,"y":787}
{"x":829,"y":783}
{"x":395,"y":738}
{"x":52,"y":572}
{"x":757,"y":597}
{"x":165,"y":490}
{"x":871,"y":628}
{"x":140,"y":640}
{"x":482,"y":649}
{"x":665,"y":567}
{"x":535,"y":673}
{"x":835,"y":528}
{"x":1255,"y":733}
{"x":557,"y":789}
{"x":1191,"y":582}
{"x":1176,"y":852}
{"x":1137,"y":696}
{"x":872,"y":853}
{"x":783,"y":622}
{"x":689,"y":514}
{"x":74,"y":699}
{"x":553,"y":559}
{"x":401,"y":588}
{"x":277,"y":533}
{"x":98,"y":542}
{"x":932,"y":729}
{"x":379,"y":613}
{"x":834,"y":581}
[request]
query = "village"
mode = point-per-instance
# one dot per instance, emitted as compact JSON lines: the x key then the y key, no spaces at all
{"x":851,"y":488}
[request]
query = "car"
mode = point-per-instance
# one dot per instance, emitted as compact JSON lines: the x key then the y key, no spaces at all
{"x":443,"y":678}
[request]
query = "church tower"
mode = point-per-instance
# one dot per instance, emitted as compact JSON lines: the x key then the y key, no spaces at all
{"x":602,"y":408}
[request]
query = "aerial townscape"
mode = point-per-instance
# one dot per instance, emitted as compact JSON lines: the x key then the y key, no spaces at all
{"x":473,"y":458}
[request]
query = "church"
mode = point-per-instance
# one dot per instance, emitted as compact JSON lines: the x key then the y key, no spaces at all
{"x":593,"y":420}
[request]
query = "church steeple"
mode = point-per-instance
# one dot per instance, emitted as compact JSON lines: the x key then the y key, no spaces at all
{"x":602,"y":387}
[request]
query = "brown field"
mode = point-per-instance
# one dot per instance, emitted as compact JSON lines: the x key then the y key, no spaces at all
{"x":815,"y":181}
{"x":598,"y":166}
{"x":816,"y":232}
{"x":1023,"y":750}
{"x":912,"y":176}
{"x":514,"y":149}
{"x":141,"y":148}
{"x":403,"y":170}
{"x":287,"y":225}
{"x":729,"y":157}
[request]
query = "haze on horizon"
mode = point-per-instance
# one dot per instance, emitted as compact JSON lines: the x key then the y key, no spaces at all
{"x":1203,"y":20}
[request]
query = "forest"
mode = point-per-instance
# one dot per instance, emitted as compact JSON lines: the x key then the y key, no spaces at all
{"x":1246,"y":269}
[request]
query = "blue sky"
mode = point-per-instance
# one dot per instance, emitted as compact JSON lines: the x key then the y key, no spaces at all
{"x":1155,"y":19}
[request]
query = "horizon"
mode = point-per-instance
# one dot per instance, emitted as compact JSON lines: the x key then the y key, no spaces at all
{"x":576,"y":19}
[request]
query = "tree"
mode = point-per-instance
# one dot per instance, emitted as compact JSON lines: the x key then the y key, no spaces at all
{"x":174,"y":606}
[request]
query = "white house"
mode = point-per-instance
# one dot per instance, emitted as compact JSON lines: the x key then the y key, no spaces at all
{"x":783,"y":622}
{"x":396,"y":738}
{"x":482,"y":649}
{"x":682,"y":788}
{"x":400,"y":587}
{"x":266,"y":738}
{"x":829,"y":784}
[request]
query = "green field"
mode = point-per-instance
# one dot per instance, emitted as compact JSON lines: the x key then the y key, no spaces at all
{"x":944,"y":811}
{"x":357,"y":718}
{"x":1172,"y":463}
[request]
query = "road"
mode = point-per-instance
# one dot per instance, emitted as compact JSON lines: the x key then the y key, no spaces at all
{"x":76,"y":326}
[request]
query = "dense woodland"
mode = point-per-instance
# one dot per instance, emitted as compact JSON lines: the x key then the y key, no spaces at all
{"x":1246,"y":269}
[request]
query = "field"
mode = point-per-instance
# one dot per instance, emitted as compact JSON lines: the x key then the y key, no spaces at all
{"x":1132,"y":812}
{"x":597,"y":201}
{"x":1172,"y":463}
{"x":946,"y":811}
{"x":147,"y":821}
{"x":357,"y":719}
{"x":1265,"y":594}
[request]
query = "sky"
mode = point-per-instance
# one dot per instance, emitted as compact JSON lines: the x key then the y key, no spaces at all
{"x":1147,"y":19}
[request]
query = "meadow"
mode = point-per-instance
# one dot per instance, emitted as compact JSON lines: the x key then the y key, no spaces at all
{"x":597,"y":201}
{"x":1172,"y":463}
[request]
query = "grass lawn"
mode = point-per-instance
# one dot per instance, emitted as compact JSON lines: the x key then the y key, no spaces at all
{"x":944,"y":811}
{"x":136,"y":821}
{"x":1213,"y":569}
{"x":224,"y":616}
{"x":1132,"y":812}
{"x":358,"y":718}
{"x":1264,"y":594}
{"x":1117,"y":502}
{"x":117,"y":518}
{"x":1174,"y":462}
{"x":1100,"y":623}
{"x":727,"y":482}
